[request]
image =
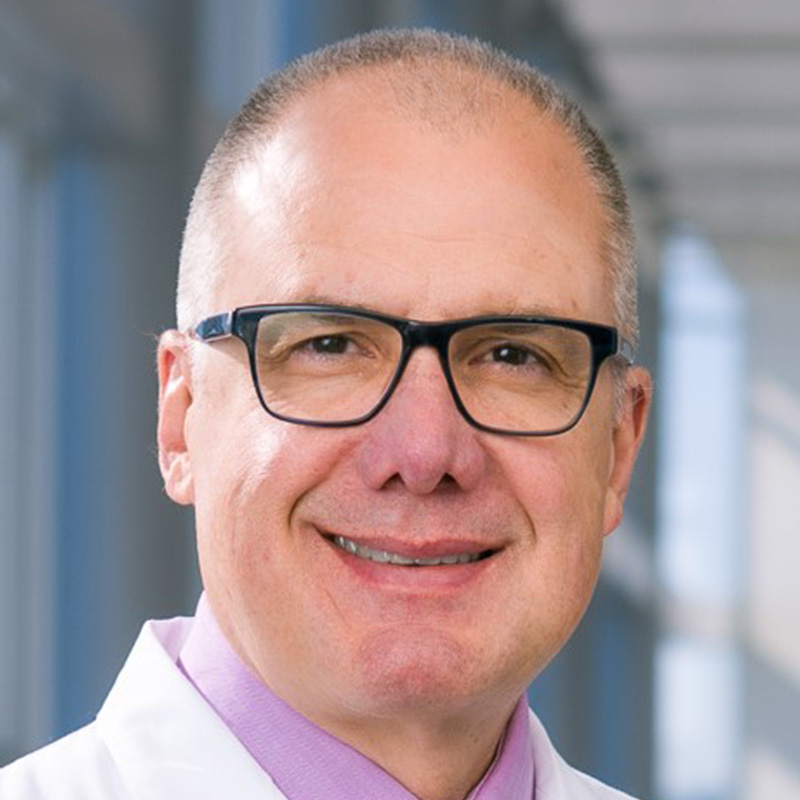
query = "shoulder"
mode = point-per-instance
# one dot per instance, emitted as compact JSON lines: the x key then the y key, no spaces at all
{"x":82,"y":765}
{"x":557,"y":780}
{"x":592,"y":789}
{"x":155,"y":738}
{"x":77,"y":767}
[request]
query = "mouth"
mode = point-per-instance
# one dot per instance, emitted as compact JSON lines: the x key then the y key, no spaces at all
{"x":452,"y":556}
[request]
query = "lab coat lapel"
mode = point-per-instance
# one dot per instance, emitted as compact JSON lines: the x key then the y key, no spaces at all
{"x":556,"y":780}
{"x":165,"y":740}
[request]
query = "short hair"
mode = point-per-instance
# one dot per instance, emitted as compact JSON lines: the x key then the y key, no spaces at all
{"x":431,"y":65}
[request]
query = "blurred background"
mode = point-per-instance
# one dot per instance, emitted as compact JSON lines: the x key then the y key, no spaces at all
{"x":683,"y":682}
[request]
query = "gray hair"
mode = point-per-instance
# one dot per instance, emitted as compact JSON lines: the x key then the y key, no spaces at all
{"x":423,"y":68}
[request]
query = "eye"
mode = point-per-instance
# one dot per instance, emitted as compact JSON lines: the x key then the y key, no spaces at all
{"x":518,"y":356}
{"x":514,"y":355}
{"x":327,"y":345}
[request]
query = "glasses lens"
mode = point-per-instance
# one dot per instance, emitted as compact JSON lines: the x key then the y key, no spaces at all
{"x":522,"y":377}
{"x":324,"y":366}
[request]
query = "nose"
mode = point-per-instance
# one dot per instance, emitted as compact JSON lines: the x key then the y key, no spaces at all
{"x":420,"y":439}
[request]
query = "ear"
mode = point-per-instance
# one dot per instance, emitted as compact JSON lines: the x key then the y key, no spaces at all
{"x":627,"y":438}
{"x":174,"y":402}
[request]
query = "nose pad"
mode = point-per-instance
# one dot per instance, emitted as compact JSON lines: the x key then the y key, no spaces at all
{"x":420,"y":440}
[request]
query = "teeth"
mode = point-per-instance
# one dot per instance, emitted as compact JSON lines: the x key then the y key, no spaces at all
{"x":385,"y":557}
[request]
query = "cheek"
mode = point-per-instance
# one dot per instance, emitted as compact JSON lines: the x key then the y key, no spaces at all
{"x":567,"y":512}
{"x":252,"y":471}
{"x":232,"y":451}
{"x":558,"y":485}
{"x":562,"y":491}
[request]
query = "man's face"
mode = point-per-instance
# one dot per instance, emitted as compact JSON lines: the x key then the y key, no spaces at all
{"x":355,"y":207}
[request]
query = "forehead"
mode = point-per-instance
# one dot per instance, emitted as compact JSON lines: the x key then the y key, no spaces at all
{"x":360,"y":200}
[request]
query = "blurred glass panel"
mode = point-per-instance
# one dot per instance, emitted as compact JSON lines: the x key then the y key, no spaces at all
{"x":702,"y":398}
{"x":238,"y":46}
{"x":11,"y":447}
{"x":699,"y":695}
{"x":699,"y":720}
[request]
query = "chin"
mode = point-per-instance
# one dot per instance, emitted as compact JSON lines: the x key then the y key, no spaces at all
{"x":427,"y":671}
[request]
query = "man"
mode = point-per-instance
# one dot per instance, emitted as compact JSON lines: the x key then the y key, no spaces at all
{"x":400,"y":399}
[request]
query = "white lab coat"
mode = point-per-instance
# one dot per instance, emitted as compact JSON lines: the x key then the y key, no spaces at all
{"x":155,"y":738}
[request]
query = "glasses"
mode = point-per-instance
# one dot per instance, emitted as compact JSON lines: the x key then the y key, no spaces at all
{"x":332,"y":366}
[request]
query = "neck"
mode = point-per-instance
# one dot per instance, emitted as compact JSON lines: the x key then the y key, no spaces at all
{"x":434,"y":759}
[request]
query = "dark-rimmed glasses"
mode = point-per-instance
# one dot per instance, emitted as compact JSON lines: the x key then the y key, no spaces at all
{"x":333,"y":366}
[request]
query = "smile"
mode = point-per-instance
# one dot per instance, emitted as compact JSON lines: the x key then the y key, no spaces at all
{"x":386,"y":557}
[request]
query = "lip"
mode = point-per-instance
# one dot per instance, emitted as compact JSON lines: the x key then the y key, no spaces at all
{"x":415,"y":578}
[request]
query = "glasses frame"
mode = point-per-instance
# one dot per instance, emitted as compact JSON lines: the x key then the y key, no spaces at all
{"x":242,"y":323}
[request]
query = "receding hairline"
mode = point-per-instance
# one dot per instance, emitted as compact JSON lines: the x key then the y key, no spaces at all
{"x":450,"y":90}
{"x":434,"y":79}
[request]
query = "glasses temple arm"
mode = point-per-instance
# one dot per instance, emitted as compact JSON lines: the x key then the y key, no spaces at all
{"x":217,"y":327}
{"x":625,"y":351}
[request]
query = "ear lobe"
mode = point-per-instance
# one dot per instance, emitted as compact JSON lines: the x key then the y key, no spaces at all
{"x":628,"y":436}
{"x":174,"y":401}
